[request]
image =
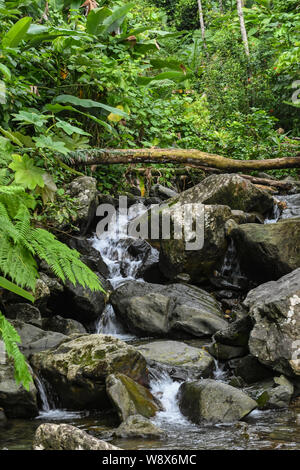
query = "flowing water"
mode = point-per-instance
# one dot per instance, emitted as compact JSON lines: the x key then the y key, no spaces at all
{"x":260,"y":430}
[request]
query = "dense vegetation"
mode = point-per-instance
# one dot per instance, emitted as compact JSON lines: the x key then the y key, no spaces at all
{"x":129,"y":75}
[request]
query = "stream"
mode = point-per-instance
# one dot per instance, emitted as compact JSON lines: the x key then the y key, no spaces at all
{"x":276,"y":429}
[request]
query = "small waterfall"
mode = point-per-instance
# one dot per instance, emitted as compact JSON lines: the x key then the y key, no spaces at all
{"x":219,"y":373}
{"x":49,"y":412}
{"x":43,"y":395}
{"x":121,"y":264}
{"x":231,"y":265}
{"x":166,"y":390}
{"x":274,"y":216}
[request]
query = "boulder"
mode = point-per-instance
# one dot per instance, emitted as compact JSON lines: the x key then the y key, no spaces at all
{"x":250,"y":369}
{"x":225,"y":352}
{"x":267,"y":252}
{"x":34,"y":339}
{"x":66,"y":326}
{"x":214,"y":402}
{"x":136,"y":426}
{"x":89,"y":255}
{"x":177,"y":257}
{"x":3,"y":419}
{"x":50,"y":436}
{"x":236,"y":334}
{"x":24,"y":312}
{"x":84,"y":191}
{"x":179,"y":360}
{"x":83,"y":304}
{"x":14,"y":399}
{"x":231,"y":190}
{"x":174,"y":310}
{"x":161,"y":192}
{"x":292,"y":206}
{"x":129,"y":397}
{"x":48,"y":293}
{"x":78,"y":367}
{"x":275,"y":309}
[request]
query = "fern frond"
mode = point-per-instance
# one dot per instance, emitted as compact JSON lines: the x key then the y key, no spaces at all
{"x":10,"y":338}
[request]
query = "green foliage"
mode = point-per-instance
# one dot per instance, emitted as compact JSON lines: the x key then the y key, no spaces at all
{"x":11,"y":339}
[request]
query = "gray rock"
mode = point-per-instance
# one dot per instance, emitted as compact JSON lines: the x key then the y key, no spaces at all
{"x":3,"y":419}
{"x":66,"y":437}
{"x":236,"y":334}
{"x":84,"y":190}
{"x":129,"y":397}
{"x":215,"y":402}
{"x":34,"y":339}
{"x":292,"y":208}
{"x":174,"y":310}
{"x":14,"y":399}
{"x":250,"y":369}
{"x":267,"y":252}
{"x":161,"y":192}
{"x":175,"y":255}
{"x":231,"y":190}
{"x":82,"y":304}
{"x":225,"y":352}
{"x":78,"y":367}
{"x":24,"y":312}
{"x":179,"y":360}
{"x":275,"y":309}
{"x":137,"y":426}
{"x":66,"y":326}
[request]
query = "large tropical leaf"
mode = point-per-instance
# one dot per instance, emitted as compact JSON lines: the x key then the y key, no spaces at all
{"x":15,"y":289}
{"x":95,"y":19}
{"x":16,"y":33}
{"x":86,"y":103}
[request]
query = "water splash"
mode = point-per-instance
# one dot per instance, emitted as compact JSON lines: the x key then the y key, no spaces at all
{"x":122,"y":267}
{"x":166,"y":390}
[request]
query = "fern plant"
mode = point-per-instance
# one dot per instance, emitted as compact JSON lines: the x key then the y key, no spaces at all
{"x":21,"y":245}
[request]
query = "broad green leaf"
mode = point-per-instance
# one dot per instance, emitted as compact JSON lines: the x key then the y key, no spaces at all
{"x":5,"y":71}
{"x":95,"y":19}
{"x":26,"y":173}
{"x":118,"y":14}
{"x":25,"y":117}
{"x":48,"y":143}
{"x":16,"y":33}
{"x":11,"y":286}
{"x":11,"y":137}
{"x":86,"y":103}
{"x":69,"y":129}
{"x":49,"y":189}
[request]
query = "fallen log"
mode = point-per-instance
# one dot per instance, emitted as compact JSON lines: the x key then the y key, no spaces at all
{"x":268,"y":182}
{"x":187,"y":157}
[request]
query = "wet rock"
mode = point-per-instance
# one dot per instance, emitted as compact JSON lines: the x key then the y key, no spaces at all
{"x":50,"y":436}
{"x":225,"y":352}
{"x":48,"y":293}
{"x":250,"y":369}
{"x":84,"y":190}
{"x":66,"y":326}
{"x":161,"y":192}
{"x":82,"y":304}
{"x":236,"y":334}
{"x":137,"y":426}
{"x":34,"y":339}
{"x":267,"y":252}
{"x":129,"y":397}
{"x":172,"y":310}
{"x":78,"y":367}
{"x":231,"y":190}
{"x":177,"y":257}
{"x":14,"y":399}
{"x":292,"y":206}
{"x":281,"y":395}
{"x":3,"y":419}
{"x":275,"y":309}
{"x":179,"y":360}
{"x":89,"y":255}
{"x":24,"y":312}
{"x":215,"y":402}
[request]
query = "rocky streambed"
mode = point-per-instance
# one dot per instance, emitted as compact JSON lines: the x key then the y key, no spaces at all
{"x":189,"y":349}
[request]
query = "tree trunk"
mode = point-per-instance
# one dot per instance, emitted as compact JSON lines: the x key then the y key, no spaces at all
{"x":187,"y":157}
{"x":202,"y":26}
{"x":243,"y":27}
